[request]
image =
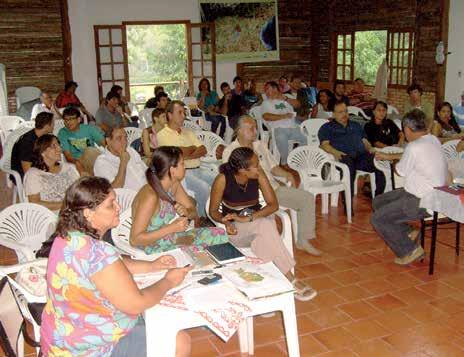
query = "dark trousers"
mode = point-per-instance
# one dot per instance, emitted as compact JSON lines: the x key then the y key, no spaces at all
{"x":364,"y":162}
{"x":217,"y":120}
{"x":392,"y":212}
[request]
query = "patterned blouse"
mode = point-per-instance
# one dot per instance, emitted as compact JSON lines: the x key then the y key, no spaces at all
{"x":77,"y":320}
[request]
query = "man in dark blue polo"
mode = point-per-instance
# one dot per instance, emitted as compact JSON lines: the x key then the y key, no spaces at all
{"x":347,"y":142}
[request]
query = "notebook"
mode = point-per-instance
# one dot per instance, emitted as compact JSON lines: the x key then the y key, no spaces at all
{"x":225,"y":253}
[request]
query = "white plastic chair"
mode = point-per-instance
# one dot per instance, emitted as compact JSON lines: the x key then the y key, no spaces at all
{"x":145,"y":118}
{"x":358,"y":112}
{"x":121,"y":235}
{"x":397,"y":122}
{"x":192,"y":125}
{"x":133,"y":109}
{"x":26,"y":94}
{"x":5,"y":164}
{"x":385,"y":165}
{"x":310,"y":128}
{"x":360,"y":173}
{"x":132,"y":134}
{"x":23,"y":298}
{"x":255,"y":112}
{"x":392,"y":110}
{"x":58,"y":125}
{"x":125,"y":197}
{"x":286,"y":235}
{"x":8,"y":123}
{"x":309,"y":161}
{"x":211,"y":141}
{"x":24,"y":227}
{"x":191,"y":103}
{"x":449,"y":149}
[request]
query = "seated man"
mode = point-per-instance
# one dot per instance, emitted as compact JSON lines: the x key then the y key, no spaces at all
{"x":197,"y":179}
{"x":339,"y":94}
{"x":416,"y":102}
{"x":290,"y":197}
{"x":120,"y":164}
{"x":160,"y":101}
{"x":346,"y":140}
{"x":279,"y":115}
{"x":423,"y":166}
{"x":111,"y":115}
{"x":21,"y":155}
{"x":232,"y":105}
{"x":46,"y":105}
{"x":78,"y":141}
{"x":360,"y":97}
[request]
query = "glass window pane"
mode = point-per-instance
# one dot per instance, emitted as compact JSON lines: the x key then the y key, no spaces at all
{"x":116,"y":37}
{"x":348,"y":42}
{"x":106,"y":72}
{"x":405,"y":79}
{"x":348,"y":57}
{"x":348,"y":73}
{"x":393,"y":76}
{"x":340,"y":41}
{"x":340,"y":57}
{"x":395,"y":40}
{"x":106,"y":87}
{"x":103,"y":37}
{"x":118,"y":71}
{"x":105,"y":55}
{"x":117,"y":54}
{"x":339,"y":72}
{"x":393,"y":59}
{"x":406,"y":40}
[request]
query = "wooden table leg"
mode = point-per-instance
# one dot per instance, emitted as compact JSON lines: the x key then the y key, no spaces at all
{"x":434,"y":242}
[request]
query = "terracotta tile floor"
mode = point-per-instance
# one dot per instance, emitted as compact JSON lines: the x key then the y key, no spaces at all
{"x":367,"y":305}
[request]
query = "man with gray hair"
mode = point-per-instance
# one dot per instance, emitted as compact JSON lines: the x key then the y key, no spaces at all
{"x":423,"y":166}
{"x":299,"y":200}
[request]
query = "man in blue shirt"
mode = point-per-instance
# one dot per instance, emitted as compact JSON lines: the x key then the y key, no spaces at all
{"x":347,"y":142}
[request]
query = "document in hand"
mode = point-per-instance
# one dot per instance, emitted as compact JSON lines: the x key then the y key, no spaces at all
{"x":257,"y":281}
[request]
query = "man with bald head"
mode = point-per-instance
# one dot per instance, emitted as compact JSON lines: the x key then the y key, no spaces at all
{"x":291,"y":197}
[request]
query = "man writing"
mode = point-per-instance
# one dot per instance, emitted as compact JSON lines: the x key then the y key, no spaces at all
{"x":291,"y":197}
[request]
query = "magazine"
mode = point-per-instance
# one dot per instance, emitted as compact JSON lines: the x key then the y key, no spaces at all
{"x":257,"y":281}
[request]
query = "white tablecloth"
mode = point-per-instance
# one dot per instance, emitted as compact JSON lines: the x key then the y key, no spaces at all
{"x":446,"y":203}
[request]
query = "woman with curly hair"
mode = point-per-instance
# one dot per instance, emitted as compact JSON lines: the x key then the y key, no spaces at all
{"x":93,"y":305}
{"x":48,"y":178}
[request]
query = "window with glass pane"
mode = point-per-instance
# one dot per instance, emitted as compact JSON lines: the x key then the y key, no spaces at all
{"x":400,"y":52}
{"x":344,"y":59}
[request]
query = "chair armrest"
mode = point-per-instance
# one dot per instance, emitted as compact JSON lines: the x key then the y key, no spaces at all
{"x":23,"y":248}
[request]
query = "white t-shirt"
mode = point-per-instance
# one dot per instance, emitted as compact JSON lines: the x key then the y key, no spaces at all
{"x":266,"y":160}
{"x":107,"y":165}
{"x":278,"y":106}
{"x":39,"y":108}
{"x":50,"y":186}
{"x":423,"y":165}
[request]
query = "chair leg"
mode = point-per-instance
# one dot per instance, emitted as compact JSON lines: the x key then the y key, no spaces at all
{"x":422,"y":233}
{"x":458,"y":237}
{"x":325,"y":203}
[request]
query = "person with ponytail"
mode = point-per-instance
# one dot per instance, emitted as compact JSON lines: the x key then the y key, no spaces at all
{"x":162,"y":209}
{"x":94,"y":306}
{"x":248,"y":222}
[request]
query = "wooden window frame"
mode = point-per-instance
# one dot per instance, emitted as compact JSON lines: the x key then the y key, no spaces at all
{"x":406,"y":55}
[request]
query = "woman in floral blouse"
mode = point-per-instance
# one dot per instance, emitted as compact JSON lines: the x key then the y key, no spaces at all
{"x":93,"y":304}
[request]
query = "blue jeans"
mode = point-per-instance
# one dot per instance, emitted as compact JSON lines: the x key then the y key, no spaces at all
{"x":133,"y":344}
{"x":199,"y":180}
{"x":283,"y":136}
{"x":392,"y":212}
{"x":217,"y":120}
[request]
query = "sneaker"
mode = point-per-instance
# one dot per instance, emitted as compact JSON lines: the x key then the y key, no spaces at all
{"x":308,"y":247}
{"x":417,"y":253}
{"x":305,"y":294}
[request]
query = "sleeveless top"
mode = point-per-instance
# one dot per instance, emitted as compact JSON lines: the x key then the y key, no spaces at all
{"x":237,"y":197}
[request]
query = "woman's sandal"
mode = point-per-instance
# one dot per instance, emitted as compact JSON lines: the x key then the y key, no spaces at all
{"x":303,"y":292}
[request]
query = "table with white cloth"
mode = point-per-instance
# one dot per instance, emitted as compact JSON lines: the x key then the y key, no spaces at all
{"x":221,"y":308}
{"x":448,"y":204}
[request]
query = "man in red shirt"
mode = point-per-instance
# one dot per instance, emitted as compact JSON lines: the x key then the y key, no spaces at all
{"x":68,"y":97}
{"x":361,"y":98}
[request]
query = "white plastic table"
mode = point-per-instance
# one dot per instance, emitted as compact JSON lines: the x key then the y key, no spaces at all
{"x":163,"y":323}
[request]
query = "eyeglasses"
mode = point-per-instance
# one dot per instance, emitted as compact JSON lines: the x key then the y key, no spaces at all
{"x":70,"y":118}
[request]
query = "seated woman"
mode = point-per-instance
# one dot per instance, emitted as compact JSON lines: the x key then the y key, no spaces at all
{"x":381,"y":131}
{"x":444,"y":126}
{"x":322,"y":108}
{"x":155,"y":227}
{"x":236,"y":190}
{"x":47,"y":180}
{"x":207,"y":101}
{"x":149,"y":142}
{"x":93,"y":305}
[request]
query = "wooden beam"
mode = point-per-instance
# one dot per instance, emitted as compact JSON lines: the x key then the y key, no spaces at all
{"x":67,"y":41}
{"x":444,"y":27}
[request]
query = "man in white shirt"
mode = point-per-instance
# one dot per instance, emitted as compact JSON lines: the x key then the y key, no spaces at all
{"x":423,"y":166}
{"x":280,"y":116}
{"x":119,"y":163}
{"x":291,"y":197}
{"x":46,"y":105}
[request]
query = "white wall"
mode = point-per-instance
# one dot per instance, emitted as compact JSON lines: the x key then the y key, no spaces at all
{"x":84,"y":14}
{"x":455,"y":61}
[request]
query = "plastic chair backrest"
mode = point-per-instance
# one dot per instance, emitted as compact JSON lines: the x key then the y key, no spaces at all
{"x":5,"y":162}
{"x":132,"y":134}
{"x":310,"y":128}
{"x":125,"y":198}
{"x":392,"y":110}
{"x":58,"y":125}
{"x":26,"y":94}
{"x":192,"y":125}
{"x":211,"y":142}
{"x":8,"y":123}
{"x":308,"y":160}
{"x":357,"y":111}
{"x":449,"y":149}
{"x":146,"y":115}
